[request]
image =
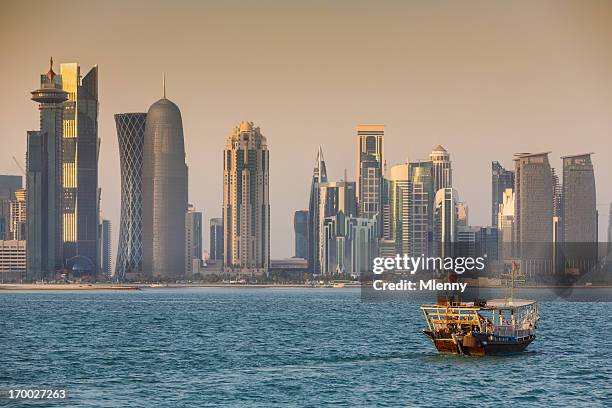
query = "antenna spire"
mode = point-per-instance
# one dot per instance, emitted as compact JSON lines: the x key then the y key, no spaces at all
{"x":164,"y":84}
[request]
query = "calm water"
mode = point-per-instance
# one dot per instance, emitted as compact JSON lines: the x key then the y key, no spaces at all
{"x":284,"y":347}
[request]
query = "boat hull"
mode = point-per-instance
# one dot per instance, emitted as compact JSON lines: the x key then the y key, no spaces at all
{"x":482,"y":345}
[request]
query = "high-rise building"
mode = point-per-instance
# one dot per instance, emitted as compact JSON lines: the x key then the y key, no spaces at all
{"x":164,"y":192}
{"x":501,"y":179}
{"x":319,"y":175}
{"x":300,"y":228}
{"x":105,"y":239}
{"x":8,"y":186}
{"x":216,"y":239}
{"x":44,"y":181}
{"x":12,"y":260}
{"x":335,"y":197}
{"x":579,"y":199}
{"x":18,"y":226}
{"x":421,"y":199}
{"x":246,"y":205}
{"x":396,"y":208}
{"x":193,"y":238}
{"x":349,"y":245}
{"x":610,"y":230}
{"x":442,"y":171}
{"x":445,"y":221}
{"x":533,"y":212}
{"x":370,"y":170}
{"x":463,"y":213}
{"x":80,"y":165}
{"x":505,"y":224}
{"x":130,"y":135}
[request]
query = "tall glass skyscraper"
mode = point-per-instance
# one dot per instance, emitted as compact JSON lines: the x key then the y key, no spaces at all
{"x":164,"y":193}
{"x":130,"y":135}
{"x":246,"y":204}
{"x":216,"y":239}
{"x":445,"y":221}
{"x":80,"y":164}
{"x":300,"y":229}
{"x":319,"y":175}
{"x":442,"y":170}
{"x":421,"y":199}
{"x":396,"y":208}
{"x":370,"y":169}
{"x":501,"y":179}
{"x":579,"y":199}
{"x":44,"y":181}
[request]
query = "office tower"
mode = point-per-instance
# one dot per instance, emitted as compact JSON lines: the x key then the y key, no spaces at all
{"x":300,"y":228}
{"x":193,"y":238}
{"x":130,"y":135}
{"x":579,"y":199}
{"x":505,"y":224}
{"x":477,"y":242}
{"x":246,"y":205}
{"x":164,"y":192}
{"x":463,"y":212}
{"x":445,"y":221}
{"x":44,"y":181}
{"x":80,"y":164}
{"x":319,"y":175}
{"x":370,"y":169}
{"x":17,"y":216}
{"x":420,"y":222}
{"x":442,"y":171}
{"x":12,"y":260}
{"x":501,"y":179}
{"x":533,"y":212}
{"x":396,"y":208}
{"x":349,"y":245}
{"x":105,"y":264}
{"x":8,"y":186}
{"x":216,"y":239}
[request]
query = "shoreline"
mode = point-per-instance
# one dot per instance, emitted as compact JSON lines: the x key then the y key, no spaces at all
{"x":122,"y":287}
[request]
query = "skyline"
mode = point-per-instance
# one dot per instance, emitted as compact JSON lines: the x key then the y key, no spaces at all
{"x":428,"y":100}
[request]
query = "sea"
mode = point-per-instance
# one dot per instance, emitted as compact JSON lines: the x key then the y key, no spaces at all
{"x":284,"y":347}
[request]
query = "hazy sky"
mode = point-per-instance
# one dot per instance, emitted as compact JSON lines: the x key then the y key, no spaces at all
{"x":483,"y":78}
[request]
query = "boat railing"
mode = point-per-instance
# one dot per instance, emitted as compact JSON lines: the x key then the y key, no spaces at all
{"x":511,"y":331}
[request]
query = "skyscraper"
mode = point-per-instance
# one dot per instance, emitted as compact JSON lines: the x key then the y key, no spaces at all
{"x":505,"y":224}
{"x":396,"y":208}
{"x":216,"y":239}
{"x":18,"y":220}
{"x":501,"y":179}
{"x":193,"y":238}
{"x":370,"y":169}
{"x":463,"y":213}
{"x":105,"y":264}
{"x":421,"y":199}
{"x":300,"y":228}
{"x":44,"y":181}
{"x":246,"y":205}
{"x":442,"y":171}
{"x":164,"y":192}
{"x":445,"y":220}
{"x":319,"y":175}
{"x":579,"y":199}
{"x":533,"y":226}
{"x":8,"y":186}
{"x":130,"y":135}
{"x":80,"y":164}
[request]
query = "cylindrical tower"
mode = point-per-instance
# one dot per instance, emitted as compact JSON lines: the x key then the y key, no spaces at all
{"x":130,"y":135}
{"x":164,"y":193}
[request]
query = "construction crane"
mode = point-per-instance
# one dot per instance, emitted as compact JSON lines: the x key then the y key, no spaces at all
{"x":19,"y":165}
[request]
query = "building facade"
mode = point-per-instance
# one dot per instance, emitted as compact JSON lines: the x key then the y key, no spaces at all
{"x":300,"y":229}
{"x":501,"y":179}
{"x":164,"y":193}
{"x":442,"y":170}
{"x":370,"y":170}
{"x":319,"y":176}
{"x":505,"y":225}
{"x":80,"y":164}
{"x":246,"y":205}
{"x":193,"y":238}
{"x":18,"y":225}
{"x":445,"y":221}
{"x":421,"y":199}
{"x":44,"y":200}
{"x":216,"y":239}
{"x":130,"y":136}
{"x":105,"y":244}
{"x":396,"y":208}
{"x":9,"y":185}
{"x":12,"y":260}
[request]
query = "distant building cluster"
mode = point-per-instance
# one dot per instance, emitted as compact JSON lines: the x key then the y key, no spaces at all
{"x":543,"y":222}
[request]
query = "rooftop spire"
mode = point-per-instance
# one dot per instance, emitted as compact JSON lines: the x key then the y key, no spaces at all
{"x":50,"y":74}
{"x":164,"y":84}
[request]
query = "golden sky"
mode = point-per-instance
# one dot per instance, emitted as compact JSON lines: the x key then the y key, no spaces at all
{"x":483,"y":78}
